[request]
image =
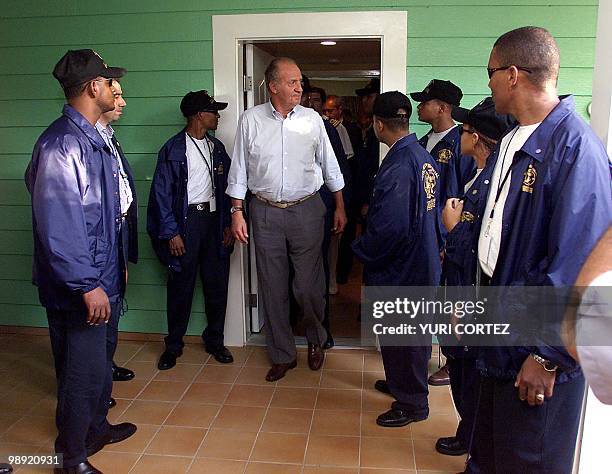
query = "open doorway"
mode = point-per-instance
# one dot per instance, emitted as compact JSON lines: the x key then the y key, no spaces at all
{"x":334,"y":67}
{"x":230,"y":35}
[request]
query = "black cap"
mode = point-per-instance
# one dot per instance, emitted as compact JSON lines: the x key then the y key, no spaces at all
{"x":392,"y":104}
{"x":445,"y":91}
{"x":200,"y":101}
{"x":373,"y":87}
{"x":82,"y":65}
{"x":484,"y":119}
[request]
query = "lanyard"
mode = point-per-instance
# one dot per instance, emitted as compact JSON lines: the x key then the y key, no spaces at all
{"x":208,"y":167}
{"x":501,"y":183}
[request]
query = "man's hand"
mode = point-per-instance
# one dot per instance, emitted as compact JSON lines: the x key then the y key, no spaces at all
{"x":239,"y":228}
{"x":451,"y":214}
{"x":176,"y":245}
{"x":228,"y":238}
{"x":533,"y":380}
{"x":339,"y":221}
{"x":98,"y":307}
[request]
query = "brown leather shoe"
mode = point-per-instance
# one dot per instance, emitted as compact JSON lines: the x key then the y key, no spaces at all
{"x":316,"y":356}
{"x":441,"y":377}
{"x":278,"y":371}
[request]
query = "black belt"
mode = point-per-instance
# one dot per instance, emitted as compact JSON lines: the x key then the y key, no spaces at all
{"x":203,"y":206}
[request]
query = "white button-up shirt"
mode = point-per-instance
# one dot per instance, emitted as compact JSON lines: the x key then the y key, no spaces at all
{"x":282,"y":159}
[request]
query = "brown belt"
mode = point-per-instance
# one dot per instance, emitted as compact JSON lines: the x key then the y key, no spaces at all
{"x":285,"y":204}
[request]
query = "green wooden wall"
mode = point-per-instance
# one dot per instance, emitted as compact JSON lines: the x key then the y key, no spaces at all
{"x":167,"y":47}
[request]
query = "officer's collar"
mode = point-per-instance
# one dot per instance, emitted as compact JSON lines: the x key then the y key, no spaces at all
{"x":540,"y":139}
{"x":403,"y":142}
{"x":88,"y":129}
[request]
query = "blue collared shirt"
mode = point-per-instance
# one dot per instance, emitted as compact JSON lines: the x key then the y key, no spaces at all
{"x":282,"y":159}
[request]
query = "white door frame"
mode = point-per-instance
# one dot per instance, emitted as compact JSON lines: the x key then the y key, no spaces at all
{"x":391,"y":27}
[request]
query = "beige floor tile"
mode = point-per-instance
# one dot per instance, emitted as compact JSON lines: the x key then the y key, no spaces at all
{"x":387,"y":453}
{"x":150,"y":351}
{"x":254,"y":376}
{"x":334,"y":399}
{"x":250,"y":396}
{"x":217,"y":466}
{"x":194,"y":354}
{"x":440,"y":400}
{"x":368,"y":470}
{"x":223,"y":444}
{"x":370,"y":378}
{"x":30,"y":430}
{"x":125,"y":351}
{"x":246,"y":419}
{"x":19,"y":402}
{"x":163,"y":391}
{"x":179,"y":373}
{"x":129,"y":389}
{"x":333,"y":450}
{"x":150,"y":464}
{"x":287,"y":420}
{"x":427,"y":458}
{"x":279,"y":447}
{"x":8,"y":419}
{"x":218,"y":374}
{"x":301,"y":378}
{"x":341,"y":379}
{"x":192,"y":414}
{"x":208,"y":393}
{"x":373,"y":400}
{"x":336,"y":422}
{"x":288,"y":397}
{"x":270,"y":468}
{"x":144,"y":370}
{"x":370,"y":428}
{"x":46,"y":407}
{"x":17,"y":449}
{"x":115,"y":413}
{"x":176,"y":441}
{"x":136,"y":443}
{"x":435,"y":427}
{"x":152,"y":413}
{"x":329,"y":470}
{"x":258,"y":359}
{"x":336,"y":361}
{"x":115,"y":463}
{"x":373,"y":363}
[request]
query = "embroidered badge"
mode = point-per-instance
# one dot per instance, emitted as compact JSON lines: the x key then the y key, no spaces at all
{"x":430,"y":178}
{"x":529,"y":179}
{"x":444,"y":155}
{"x":467,"y":216}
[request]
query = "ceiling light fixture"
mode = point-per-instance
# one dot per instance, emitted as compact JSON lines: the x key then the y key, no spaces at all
{"x":328,"y":43}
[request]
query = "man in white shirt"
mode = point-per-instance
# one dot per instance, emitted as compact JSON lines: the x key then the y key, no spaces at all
{"x":283,"y":156}
{"x":129,"y":216}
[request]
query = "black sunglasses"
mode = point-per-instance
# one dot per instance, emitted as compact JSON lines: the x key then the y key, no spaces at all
{"x":493,"y":70}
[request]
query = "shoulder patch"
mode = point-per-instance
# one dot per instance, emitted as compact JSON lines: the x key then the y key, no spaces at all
{"x":429,"y":176}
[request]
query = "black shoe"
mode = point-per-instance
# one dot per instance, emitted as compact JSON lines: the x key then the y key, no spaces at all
{"x":111,"y":402}
{"x":83,"y":468}
{"x":329,"y":343}
{"x":116,"y":433}
{"x":121,"y":374}
{"x":395,"y":418}
{"x":382,"y":386}
{"x":221,"y":354}
{"x":168,"y":359}
{"x":450,"y":446}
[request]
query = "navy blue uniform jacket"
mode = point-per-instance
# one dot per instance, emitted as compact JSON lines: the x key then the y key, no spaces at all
{"x":76,"y":214}
{"x":558,"y":206}
{"x":168,"y":200}
{"x":400,"y":246}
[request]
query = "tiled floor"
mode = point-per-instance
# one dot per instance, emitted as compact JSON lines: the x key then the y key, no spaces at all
{"x":203,"y":417}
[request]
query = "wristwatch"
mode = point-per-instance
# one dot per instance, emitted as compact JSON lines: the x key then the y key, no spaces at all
{"x":236,"y":209}
{"x":548,"y":365}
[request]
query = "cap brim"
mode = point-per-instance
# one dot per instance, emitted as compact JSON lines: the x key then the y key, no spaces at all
{"x":216,"y":107}
{"x":460,"y":114}
{"x":419,"y":96}
{"x":113,"y":72}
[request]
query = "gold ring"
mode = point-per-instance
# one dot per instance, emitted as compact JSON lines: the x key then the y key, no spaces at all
{"x":540,"y":397}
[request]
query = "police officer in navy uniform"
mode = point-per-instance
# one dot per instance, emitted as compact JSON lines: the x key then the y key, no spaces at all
{"x":400,"y":247}
{"x":188,"y":220}
{"x":76,"y":220}
{"x":549,"y":202}
{"x":481,"y":128}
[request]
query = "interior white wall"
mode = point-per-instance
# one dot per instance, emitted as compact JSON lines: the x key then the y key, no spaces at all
{"x":229,"y":30}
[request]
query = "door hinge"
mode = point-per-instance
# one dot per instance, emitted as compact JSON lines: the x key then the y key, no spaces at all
{"x":247,"y":83}
{"x":252,"y":300}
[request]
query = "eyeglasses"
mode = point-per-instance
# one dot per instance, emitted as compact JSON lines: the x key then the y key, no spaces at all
{"x":493,"y":70}
{"x":108,"y":80}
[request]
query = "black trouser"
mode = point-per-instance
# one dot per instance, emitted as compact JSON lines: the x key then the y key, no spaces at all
{"x":112,"y":334}
{"x":464,"y":382}
{"x":84,"y":380}
{"x":513,"y":437}
{"x":406,"y":374}
{"x":201,"y":250}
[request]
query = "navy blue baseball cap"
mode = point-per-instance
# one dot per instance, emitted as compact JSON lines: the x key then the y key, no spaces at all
{"x":484,"y":119}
